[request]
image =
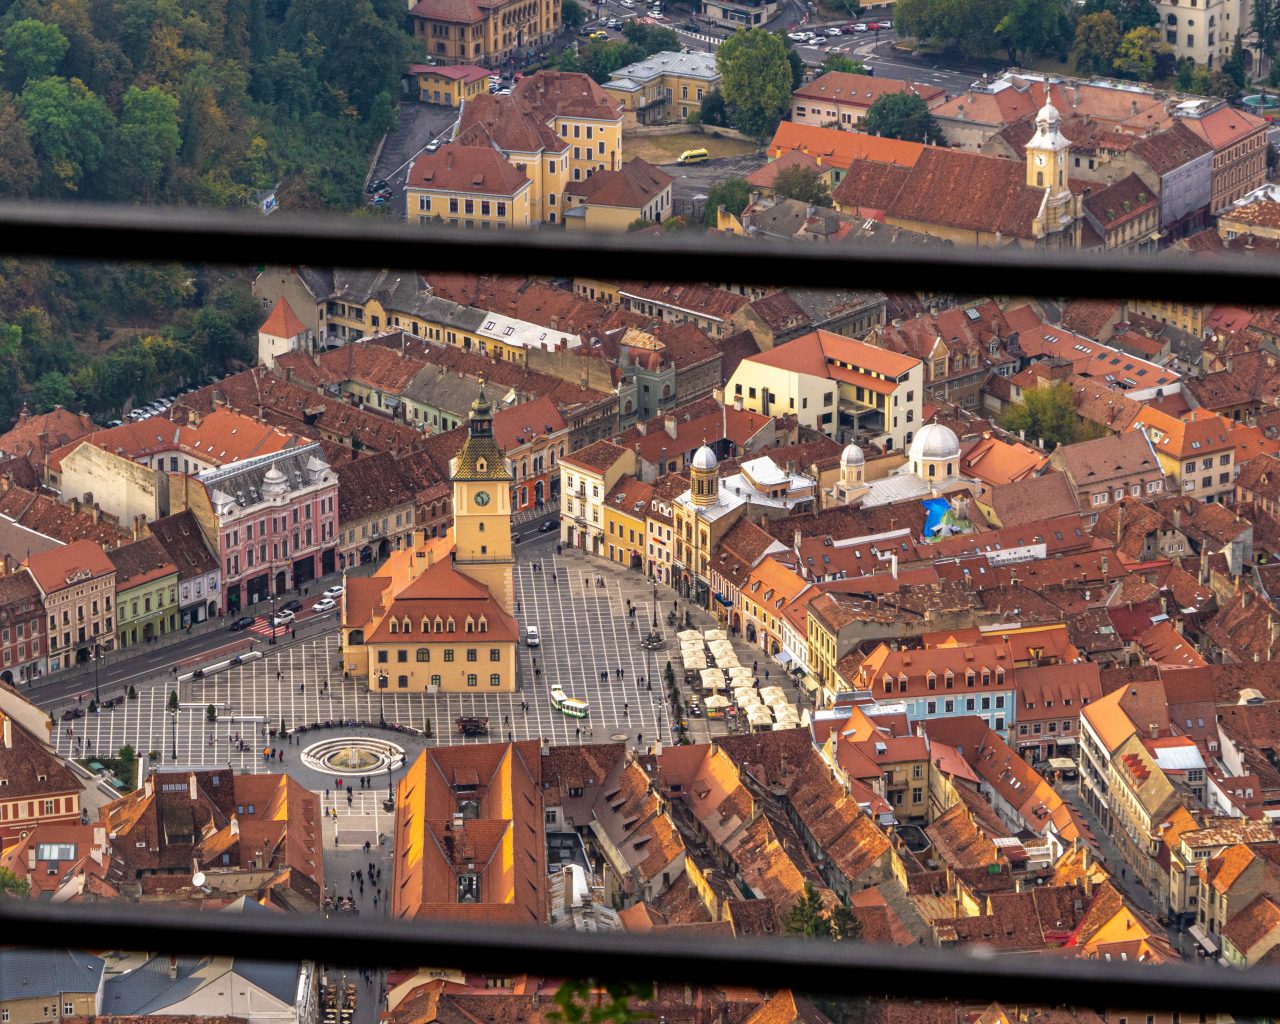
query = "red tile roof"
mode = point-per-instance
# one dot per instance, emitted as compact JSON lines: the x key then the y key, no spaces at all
{"x":53,"y":570}
{"x":862,"y":90}
{"x":283,"y":322}
{"x":480,"y":170}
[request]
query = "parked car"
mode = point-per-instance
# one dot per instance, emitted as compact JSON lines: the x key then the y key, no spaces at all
{"x":598,"y":34}
{"x":377,"y":185}
{"x":817,"y":40}
{"x":532,"y":638}
{"x":874,"y":26}
{"x":335,"y":591}
{"x":243,"y":623}
{"x":548,"y":526}
{"x":613,"y":23}
{"x":433,"y":145}
{"x":860,"y":27}
{"x":292,"y":605}
{"x":627,"y":3}
{"x":798,"y":37}
{"x":515,"y":538}
{"x":886,"y":24}
{"x":380,"y":200}
{"x":834,"y":31}
{"x":282,"y":618}
{"x":325,"y":604}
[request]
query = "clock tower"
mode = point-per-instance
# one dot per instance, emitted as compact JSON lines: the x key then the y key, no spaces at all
{"x":1048,"y":151}
{"x":482,"y":547}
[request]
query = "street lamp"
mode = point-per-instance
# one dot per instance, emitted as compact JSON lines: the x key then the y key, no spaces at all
{"x":173,"y":715}
{"x":97,"y":666}
{"x":655,"y":604}
{"x":272,"y":591}
{"x":382,"y":699}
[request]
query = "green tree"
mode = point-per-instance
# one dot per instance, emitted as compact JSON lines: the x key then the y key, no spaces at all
{"x":127,"y":753}
{"x":69,"y":128}
{"x":804,"y":184}
{"x":755,"y":77}
{"x":650,"y":38}
{"x":1233,"y":66}
{"x":32,"y":49}
{"x":1265,"y":23}
{"x":797,"y":68}
{"x":54,"y":388}
{"x":572,"y":15}
{"x":713,"y":110}
{"x":733,"y":194}
{"x":901,"y":115}
{"x":1136,"y":55}
{"x":1129,"y":14}
{"x":173,"y":700}
{"x":147,"y":142}
{"x":18,"y":168}
{"x":590,"y":1002}
{"x":845,"y":927}
{"x":11,"y":885}
{"x":1032,"y":26}
{"x":600,"y":59}
{"x":839,"y":62}
{"x":566,"y":60}
{"x":1096,"y":43}
{"x":807,"y":918}
{"x":966,"y":25}
{"x":1047,"y":414}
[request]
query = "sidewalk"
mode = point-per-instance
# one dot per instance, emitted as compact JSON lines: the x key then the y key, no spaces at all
{"x":1133,"y":890}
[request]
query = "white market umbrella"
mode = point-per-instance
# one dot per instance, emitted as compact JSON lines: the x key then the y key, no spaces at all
{"x":741,"y":672}
{"x":689,"y":636}
{"x":769,"y":693}
{"x":695,"y":661}
{"x":779,"y":726}
{"x":717,"y":700}
{"x":712,"y":679}
{"x":715,"y":634}
{"x":729,"y":661}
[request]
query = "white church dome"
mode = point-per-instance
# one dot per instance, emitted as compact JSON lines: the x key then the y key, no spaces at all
{"x":934,"y":441}
{"x":852,"y":456}
{"x":704,"y":458}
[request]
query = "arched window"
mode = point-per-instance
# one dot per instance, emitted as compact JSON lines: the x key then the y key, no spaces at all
{"x":948,"y":469}
{"x":495,"y":680}
{"x":933,"y":470}
{"x":435,"y":680}
{"x":471,"y":679}
{"x":1040,"y":178}
{"x":424,"y":654}
{"x":482,"y":526}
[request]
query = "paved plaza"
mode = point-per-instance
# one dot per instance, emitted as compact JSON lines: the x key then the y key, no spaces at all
{"x":585,"y":631}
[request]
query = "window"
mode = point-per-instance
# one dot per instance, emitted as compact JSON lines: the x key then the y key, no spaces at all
{"x":402,"y":656}
{"x":424,"y":654}
{"x":495,"y":679}
{"x":471,"y":679}
{"x":495,"y":654}
{"x":448,"y":654}
{"x":402,"y":682}
{"x":471,"y":654}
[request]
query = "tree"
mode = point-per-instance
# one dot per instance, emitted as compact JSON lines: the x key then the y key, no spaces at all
{"x":755,"y":77}
{"x":807,"y":918}
{"x":901,"y":115}
{"x":69,"y":128}
{"x":11,"y":885}
{"x":1265,"y":23}
{"x":53,"y":388}
{"x":1136,"y":55}
{"x":1047,"y":414}
{"x":173,"y":700}
{"x":1129,"y":14}
{"x":127,"y":753}
{"x":713,"y":110}
{"x":966,"y":25}
{"x":1096,"y":43}
{"x":733,"y":194}
{"x":147,"y":141}
{"x":1031,"y":26}
{"x":804,"y":184}
{"x":797,"y":68}
{"x":590,"y":1002}
{"x":600,"y":59}
{"x":18,"y":168}
{"x":32,"y":49}
{"x":845,"y":927}
{"x":839,"y":62}
{"x":1233,"y":66}
{"x":650,"y":38}
{"x":572,"y":15}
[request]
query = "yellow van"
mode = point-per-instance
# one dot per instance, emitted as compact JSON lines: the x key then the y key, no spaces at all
{"x":694,"y":156}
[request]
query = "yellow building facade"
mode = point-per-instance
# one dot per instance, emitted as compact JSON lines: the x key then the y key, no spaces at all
{"x":482,"y":31}
{"x":449,"y":85}
{"x":436,"y":618}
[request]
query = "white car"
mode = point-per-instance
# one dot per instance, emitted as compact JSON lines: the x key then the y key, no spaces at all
{"x":860,"y":27}
{"x":799,"y":37}
{"x":325,"y":604}
{"x":817,"y":40}
{"x":282,"y":618}
{"x":334,"y":592}
{"x":531,"y":637}
{"x":628,"y":3}
{"x":834,"y":32}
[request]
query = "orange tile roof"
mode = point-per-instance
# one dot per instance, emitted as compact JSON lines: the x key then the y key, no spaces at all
{"x":480,"y":170}
{"x":525,"y":422}
{"x":1225,"y":126}
{"x":831,"y":146}
{"x":816,"y":353}
{"x":1201,"y":433}
{"x":53,"y":570}
{"x":283,"y":322}
{"x":997,"y":462}
{"x":862,"y":90}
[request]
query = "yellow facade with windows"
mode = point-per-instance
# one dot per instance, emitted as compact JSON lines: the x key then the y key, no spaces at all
{"x":483,"y":34}
{"x":469,"y":209}
{"x":445,"y":668}
{"x":594,"y":144}
{"x":624,"y":536}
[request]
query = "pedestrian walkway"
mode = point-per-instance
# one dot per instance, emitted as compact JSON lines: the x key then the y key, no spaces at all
{"x":1109,"y":854}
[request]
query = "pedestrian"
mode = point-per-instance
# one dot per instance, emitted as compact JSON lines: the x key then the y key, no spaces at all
{"x":348,"y":791}
{"x":293,"y":633}
{"x":349,"y":799}
{"x":353,"y":876}
{"x":279,"y":675}
{"x":639,"y":737}
{"x":578,"y":731}
{"x":302,"y":687}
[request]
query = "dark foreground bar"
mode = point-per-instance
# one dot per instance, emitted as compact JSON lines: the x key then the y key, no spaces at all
{"x":209,"y":236}
{"x":830,"y":968}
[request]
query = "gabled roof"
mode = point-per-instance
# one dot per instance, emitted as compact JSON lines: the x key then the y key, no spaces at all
{"x":62,"y":567}
{"x":283,"y":321}
{"x":862,"y":90}
{"x":836,"y":148}
{"x":476,"y":169}
{"x":632,"y":187}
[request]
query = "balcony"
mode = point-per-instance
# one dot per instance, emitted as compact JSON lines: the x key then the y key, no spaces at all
{"x":842,"y":969}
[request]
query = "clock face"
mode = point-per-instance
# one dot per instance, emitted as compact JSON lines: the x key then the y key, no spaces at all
{"x":482,"y":498}
{"x":1040,"y":160}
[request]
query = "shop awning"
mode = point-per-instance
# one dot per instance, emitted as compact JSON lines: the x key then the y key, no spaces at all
{"x":1066,"y":741}
{"x":1206,"y":943}
{"x":810,"y":683}
{"x":782,"y":657}
{"x":724,"y":600}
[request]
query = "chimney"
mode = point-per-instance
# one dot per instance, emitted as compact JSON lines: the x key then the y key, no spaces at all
{"x":173,"y":966}
{"x":669,"y":424}
{"x":7,"y":723}
{"x":1154,"y":730}
{"x":191,"y":785}
{"x":796,"y":541}
{"x":193,"y":415}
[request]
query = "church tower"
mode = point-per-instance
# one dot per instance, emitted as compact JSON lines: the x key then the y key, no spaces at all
{"x":482,"y":507}
{"x":704,"y":478}
{"x":1048,"y":151}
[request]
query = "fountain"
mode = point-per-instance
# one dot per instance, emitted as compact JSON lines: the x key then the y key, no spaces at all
{"x":1262,"y":105}
{"x":353,"y":755}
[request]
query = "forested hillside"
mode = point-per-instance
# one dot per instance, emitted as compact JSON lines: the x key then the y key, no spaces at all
{"x":183,"y":103}
{"x":196,"y":103}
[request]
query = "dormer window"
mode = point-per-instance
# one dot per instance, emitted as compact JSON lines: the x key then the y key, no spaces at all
{"x":483,"y":624}
{"x":439,"y":624}
{"x":395,"y":626}
{"x":451,"y":626}
{"x":426,"y":625}
{"x":932,"y":679}
{"x":950,"y":679}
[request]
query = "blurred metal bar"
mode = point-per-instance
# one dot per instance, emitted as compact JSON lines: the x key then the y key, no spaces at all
{"x":92,"y":232}
{"x":837,"y":969}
